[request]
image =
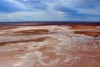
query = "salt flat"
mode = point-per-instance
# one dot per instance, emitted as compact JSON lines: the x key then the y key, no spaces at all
{"x":50,"y":46}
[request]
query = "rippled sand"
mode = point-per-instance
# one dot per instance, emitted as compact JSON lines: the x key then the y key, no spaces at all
{"x":50,"y":46}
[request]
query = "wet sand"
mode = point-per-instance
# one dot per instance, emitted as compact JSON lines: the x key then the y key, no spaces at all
{"x":44,"y":45}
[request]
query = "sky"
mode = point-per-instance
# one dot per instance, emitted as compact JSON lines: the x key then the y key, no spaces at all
{"x":49,"y":10}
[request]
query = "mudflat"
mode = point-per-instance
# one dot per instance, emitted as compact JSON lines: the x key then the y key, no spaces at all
{"x":24,"y":45}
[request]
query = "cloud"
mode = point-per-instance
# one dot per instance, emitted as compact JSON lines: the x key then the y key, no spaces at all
{"x":9,"y":6}
{"x":33,"y":16}
{"x":50,"y":10}
{"x":16,"y":3}
{"x":42,"y":16}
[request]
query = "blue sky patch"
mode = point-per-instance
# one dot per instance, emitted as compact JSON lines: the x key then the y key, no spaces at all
{"x":49,"y":10}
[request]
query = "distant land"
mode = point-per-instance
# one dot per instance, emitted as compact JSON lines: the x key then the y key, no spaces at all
{"x":50,"y":22}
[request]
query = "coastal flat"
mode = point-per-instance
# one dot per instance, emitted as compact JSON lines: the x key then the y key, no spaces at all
{"x":38,"y":45}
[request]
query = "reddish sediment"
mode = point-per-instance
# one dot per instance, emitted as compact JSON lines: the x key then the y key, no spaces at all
{"x":50,"y":46}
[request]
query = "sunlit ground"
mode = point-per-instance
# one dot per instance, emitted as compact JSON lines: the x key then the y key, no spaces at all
{"x":25,"y":45}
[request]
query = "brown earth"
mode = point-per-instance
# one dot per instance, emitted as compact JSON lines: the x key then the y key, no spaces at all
{"x":50,"y":45}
